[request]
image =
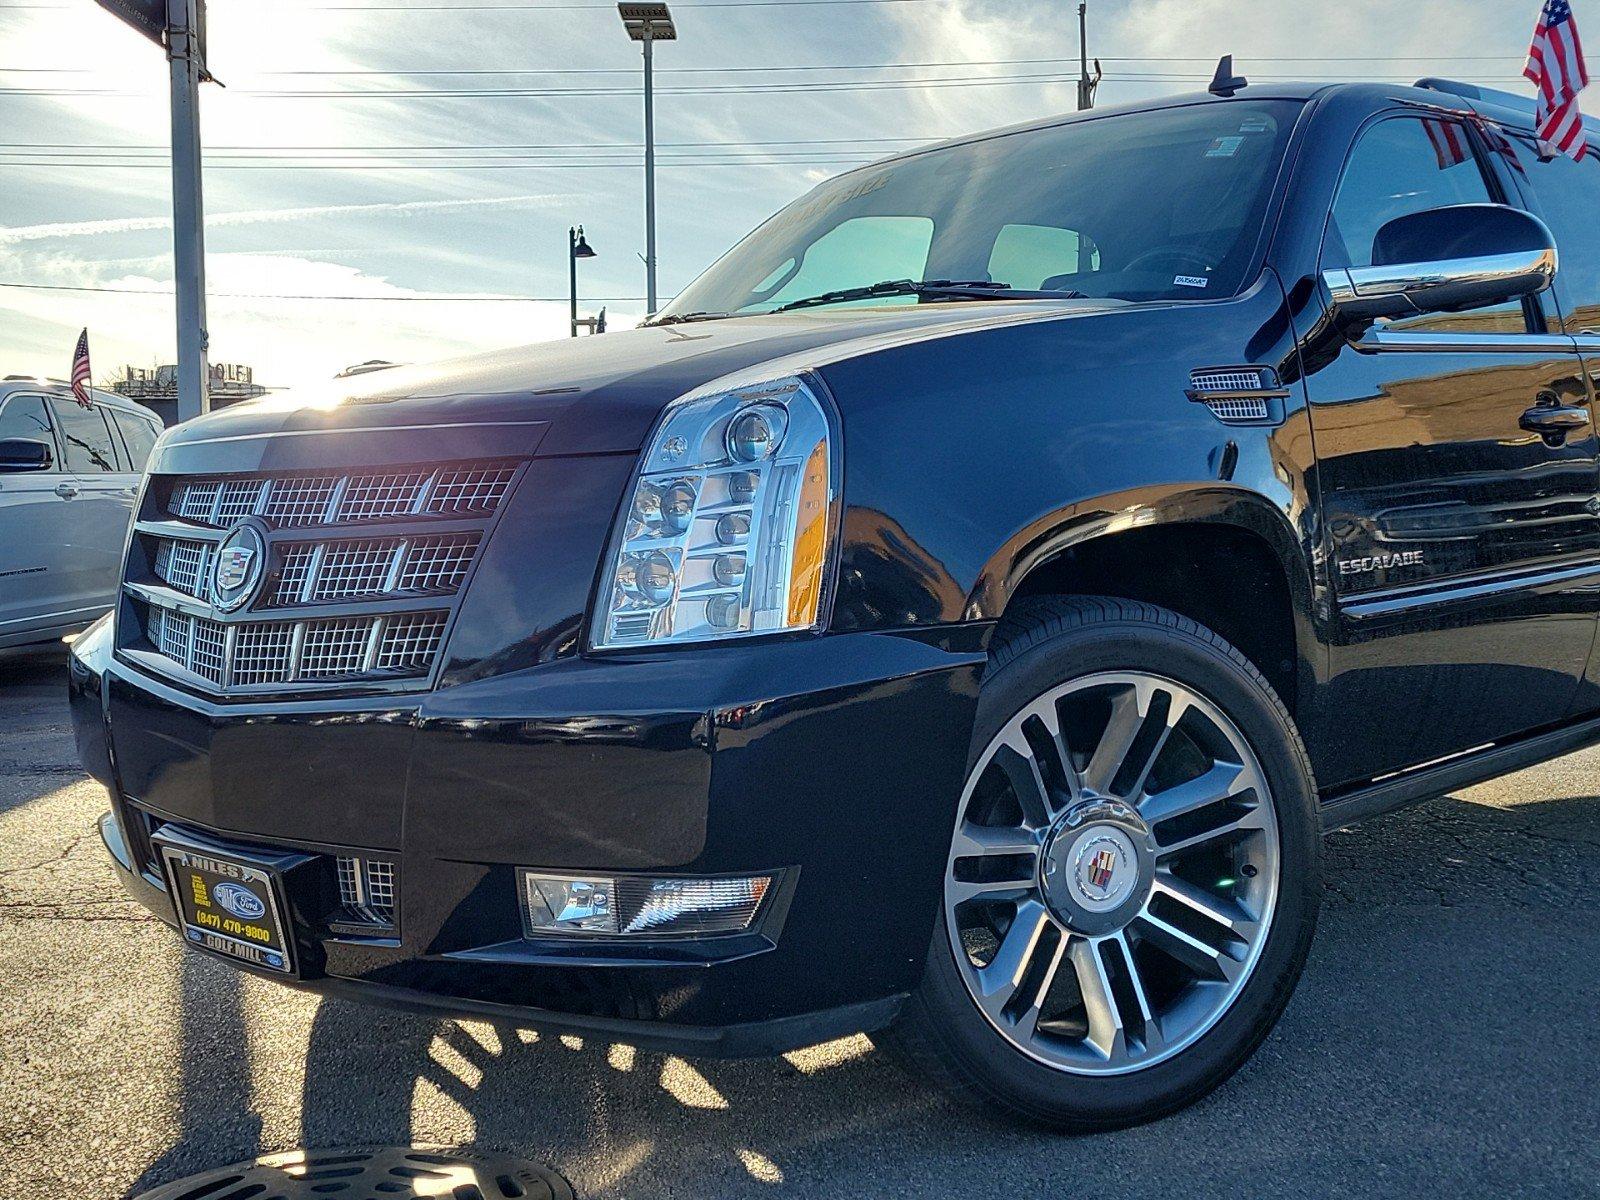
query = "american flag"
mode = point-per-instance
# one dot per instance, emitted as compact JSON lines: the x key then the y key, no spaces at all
{"x":80,"y":372}
{"x":1556,"y":66}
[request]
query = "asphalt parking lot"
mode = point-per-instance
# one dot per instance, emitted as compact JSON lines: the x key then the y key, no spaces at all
{"x":1442,"y":1043}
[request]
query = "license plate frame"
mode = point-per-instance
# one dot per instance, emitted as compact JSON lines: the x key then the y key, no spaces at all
{"x":230,"y":905}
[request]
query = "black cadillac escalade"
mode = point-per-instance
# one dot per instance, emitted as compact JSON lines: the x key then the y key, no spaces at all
{"x":956,"y":617}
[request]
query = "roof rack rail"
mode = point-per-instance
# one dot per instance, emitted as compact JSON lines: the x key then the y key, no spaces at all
{"x":1522,"y":105}
{"x":1471,"y":91}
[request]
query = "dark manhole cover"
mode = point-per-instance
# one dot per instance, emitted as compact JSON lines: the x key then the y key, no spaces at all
{"x":373,"y":1173}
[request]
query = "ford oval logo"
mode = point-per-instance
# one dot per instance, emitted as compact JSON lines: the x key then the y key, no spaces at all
{"x":239,"y":900}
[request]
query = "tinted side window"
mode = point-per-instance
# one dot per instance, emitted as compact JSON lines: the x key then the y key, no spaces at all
{"x":1567,"y":194}
{"x":138,"y":435}
{"x":90,"y":445}
{"x":26,"y":417}
{"x":1408,"y":165}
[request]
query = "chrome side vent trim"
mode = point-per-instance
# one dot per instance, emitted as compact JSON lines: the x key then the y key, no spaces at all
{"x":1239,"y":395}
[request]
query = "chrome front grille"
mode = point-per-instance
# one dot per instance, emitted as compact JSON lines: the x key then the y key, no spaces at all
{"x":409,"y":641}
{"x":352,"y":568}
{"x":287,"y":652}
{"x":334,"y":607}
{"x":294,"y":501}
{"x":335,"y":648}
{"x":194,"y":643}
{"x":263,"y":654}
{"x":182,"y":564}
{"x":434,"y":564}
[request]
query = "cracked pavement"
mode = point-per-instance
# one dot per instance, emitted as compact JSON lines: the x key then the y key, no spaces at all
{"x":1443,"y":1041}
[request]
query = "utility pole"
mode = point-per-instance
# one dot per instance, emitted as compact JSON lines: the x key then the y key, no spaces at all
{"x":1087,"y":84}
{"x":185,"y":50}
{"x":649,"y":23}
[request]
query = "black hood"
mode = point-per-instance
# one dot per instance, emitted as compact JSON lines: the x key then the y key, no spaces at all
{"x":600,"y":394}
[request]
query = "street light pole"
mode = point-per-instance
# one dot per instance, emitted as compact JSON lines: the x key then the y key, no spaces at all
{"x":649,"y":175}
{"x":188,"y":208}
{"x":649,"y":23}
{"x":577,"y":247}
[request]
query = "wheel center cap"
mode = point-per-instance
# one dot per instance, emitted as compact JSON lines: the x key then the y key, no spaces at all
{"x":1104,"y":868}
{"x":1097,"y":865}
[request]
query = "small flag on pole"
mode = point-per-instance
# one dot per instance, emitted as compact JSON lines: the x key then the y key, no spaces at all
{"x":1556,"y":66}
{"x":80,"y":372}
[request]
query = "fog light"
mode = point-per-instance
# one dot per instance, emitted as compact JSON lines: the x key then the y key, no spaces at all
{"x":568,"y":905}
{"x":563,"y":905}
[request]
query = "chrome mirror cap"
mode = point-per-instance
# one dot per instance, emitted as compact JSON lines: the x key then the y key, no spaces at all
{"x":1518,"y":259}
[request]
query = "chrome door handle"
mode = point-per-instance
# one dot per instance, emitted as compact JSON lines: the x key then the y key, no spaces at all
{"x":66,"y":490}
{"x":1553,"y":421}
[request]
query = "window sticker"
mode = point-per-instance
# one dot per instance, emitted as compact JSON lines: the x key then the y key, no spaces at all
{"x":1225,"y":147}
{"x":1194,"y":281}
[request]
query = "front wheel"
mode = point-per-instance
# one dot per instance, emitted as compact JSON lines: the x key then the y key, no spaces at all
{"x":1133,"y":875}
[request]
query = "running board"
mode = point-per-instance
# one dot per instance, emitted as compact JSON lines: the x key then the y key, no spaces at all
{"x":1424,"y":783}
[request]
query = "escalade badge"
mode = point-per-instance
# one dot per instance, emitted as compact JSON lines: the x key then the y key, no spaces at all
{"x":236,"y":569}
{"x":1381,"y":562}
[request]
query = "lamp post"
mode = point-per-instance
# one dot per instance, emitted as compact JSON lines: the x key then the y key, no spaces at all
{"x":577,"y":247}
{"x":649,"y":23}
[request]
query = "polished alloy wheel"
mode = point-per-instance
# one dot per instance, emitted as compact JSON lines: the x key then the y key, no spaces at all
{"x":1113,"y":873}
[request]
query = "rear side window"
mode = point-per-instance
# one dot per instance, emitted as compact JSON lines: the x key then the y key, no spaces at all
{"x":26,"y":417}
{"x":138,"y":435}
{"x":91,"y":447}
{"x":1567,"y":195}
{"x":1407,"y":165}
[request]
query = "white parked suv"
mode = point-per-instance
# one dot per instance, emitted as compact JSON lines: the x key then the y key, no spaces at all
{"x":69,"y":476}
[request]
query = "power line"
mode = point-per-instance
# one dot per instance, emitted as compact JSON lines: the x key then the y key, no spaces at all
{"x":706,"y":89}
{"x":420,"y":299}
{"x":841,"y":165}
{"x":682,"y":4}
{"x":721,"y":90}
{"x":788,"y":68}
{"x":617,"y":147}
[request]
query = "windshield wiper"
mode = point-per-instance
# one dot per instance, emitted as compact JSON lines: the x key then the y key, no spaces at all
{"x":929,"y":289}
{"x":685,"y":318}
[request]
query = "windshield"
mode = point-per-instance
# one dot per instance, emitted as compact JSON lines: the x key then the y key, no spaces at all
{"x":1163,"y":205}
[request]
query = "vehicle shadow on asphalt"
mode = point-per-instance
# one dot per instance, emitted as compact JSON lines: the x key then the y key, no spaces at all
{"x":1380,"y":1059}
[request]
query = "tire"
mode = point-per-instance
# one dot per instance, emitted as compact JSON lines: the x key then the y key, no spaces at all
{"x":1070,"y":1047}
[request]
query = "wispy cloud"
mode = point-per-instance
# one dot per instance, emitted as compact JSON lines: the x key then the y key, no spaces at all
{"x":263,"y":216}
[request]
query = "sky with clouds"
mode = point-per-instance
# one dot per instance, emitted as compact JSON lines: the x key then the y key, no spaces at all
{"x":380,"y":183}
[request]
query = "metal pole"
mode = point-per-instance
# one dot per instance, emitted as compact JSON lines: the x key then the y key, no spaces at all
{"x":649,"y":178}
{"x":572,"y":260}
{"x":188,"y":209}
{"x":1085,"y":96}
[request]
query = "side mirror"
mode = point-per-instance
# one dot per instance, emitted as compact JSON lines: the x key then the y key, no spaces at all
{"x":1450,"y":259}
{"x":25,"y":454}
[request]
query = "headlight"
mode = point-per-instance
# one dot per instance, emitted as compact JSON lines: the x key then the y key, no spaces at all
{"x":728,"y":529}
